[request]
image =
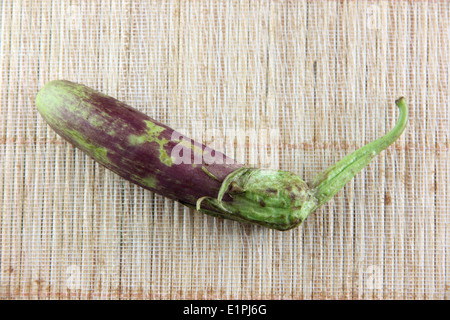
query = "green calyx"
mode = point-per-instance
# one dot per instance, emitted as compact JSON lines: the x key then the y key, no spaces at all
{"x":272,"y":198}
{"x":282,"y":200}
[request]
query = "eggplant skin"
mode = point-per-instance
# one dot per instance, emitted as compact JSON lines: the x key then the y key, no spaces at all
{"x":146,"y":152}
{"x":129,"y":143}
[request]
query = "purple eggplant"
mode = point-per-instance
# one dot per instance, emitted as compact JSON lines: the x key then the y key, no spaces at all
{"x":162,"y":160}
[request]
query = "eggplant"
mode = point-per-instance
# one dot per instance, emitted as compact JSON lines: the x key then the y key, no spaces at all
{"x":162,"y":160}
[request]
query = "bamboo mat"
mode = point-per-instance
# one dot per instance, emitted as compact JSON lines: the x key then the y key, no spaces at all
{"x":292,"y":85}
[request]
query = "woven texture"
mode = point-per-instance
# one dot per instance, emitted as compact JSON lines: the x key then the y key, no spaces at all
{"x":292,"y":85}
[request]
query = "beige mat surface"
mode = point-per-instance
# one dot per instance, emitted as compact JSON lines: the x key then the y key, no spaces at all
{"x":293,"y":85}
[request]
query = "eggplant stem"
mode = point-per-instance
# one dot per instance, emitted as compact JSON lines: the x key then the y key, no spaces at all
{"x":327,"y":183}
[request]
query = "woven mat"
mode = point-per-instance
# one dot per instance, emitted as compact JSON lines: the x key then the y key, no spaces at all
{"x":303,"y":83}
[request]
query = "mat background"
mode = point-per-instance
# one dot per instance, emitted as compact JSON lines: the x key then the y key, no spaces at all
{"x":322,"y":75}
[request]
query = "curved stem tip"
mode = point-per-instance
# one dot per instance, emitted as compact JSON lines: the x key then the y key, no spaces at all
{"x":327,"y":183}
